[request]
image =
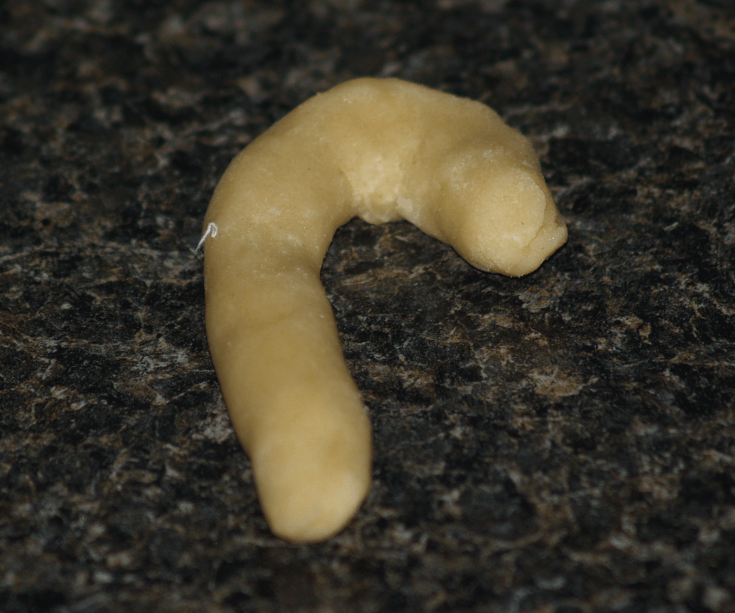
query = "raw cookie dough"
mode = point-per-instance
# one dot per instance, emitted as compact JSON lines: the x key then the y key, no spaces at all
{"x":381,"y":150}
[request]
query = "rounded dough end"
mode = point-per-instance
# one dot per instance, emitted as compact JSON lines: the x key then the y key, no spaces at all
{"x":307,"y":516}
{"x":310,"y":489}
{"x":512,"y":227}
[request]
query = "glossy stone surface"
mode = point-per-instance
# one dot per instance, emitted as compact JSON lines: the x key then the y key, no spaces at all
{"x":561,"y":442}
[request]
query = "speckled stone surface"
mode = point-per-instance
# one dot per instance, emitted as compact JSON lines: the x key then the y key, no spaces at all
{"x":559,"y":443}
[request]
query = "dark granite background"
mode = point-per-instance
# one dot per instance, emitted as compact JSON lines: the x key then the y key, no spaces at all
{"x":559,"y":443}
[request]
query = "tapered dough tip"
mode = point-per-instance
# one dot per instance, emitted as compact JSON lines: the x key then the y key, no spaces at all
{"x":312,"y":509}
{"x":312,"y":480}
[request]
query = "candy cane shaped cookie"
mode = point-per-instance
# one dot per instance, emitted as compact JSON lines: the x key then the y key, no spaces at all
{"x":381,"y":150}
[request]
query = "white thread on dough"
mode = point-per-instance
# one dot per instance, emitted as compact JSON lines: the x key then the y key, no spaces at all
{"x":211,"y":231}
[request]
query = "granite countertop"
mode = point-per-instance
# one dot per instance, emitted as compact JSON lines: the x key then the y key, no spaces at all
{"x":558,"y":443}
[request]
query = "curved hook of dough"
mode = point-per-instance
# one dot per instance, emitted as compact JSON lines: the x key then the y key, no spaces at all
{"x":380,"y":149}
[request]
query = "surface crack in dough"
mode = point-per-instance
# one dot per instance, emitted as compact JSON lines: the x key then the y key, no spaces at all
{"x":380,"y":149}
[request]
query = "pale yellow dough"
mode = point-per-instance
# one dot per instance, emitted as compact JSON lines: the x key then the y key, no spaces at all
{"x":382,"y":150}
